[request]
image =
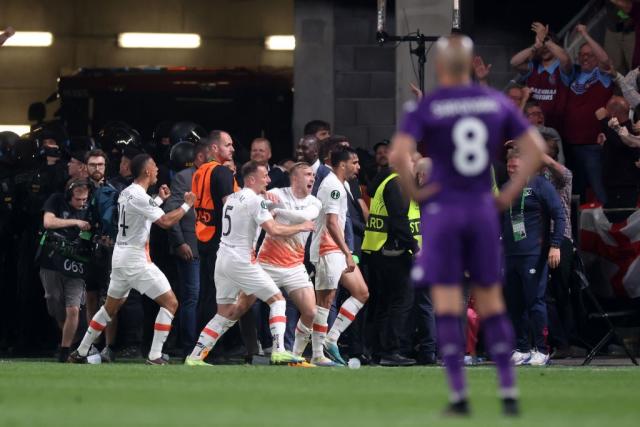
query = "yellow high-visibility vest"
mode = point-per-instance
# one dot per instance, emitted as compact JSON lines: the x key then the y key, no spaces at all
{"x":376,"y":231}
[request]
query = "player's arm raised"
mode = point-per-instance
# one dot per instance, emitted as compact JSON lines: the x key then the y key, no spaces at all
{"x":167,"y":220}
{"x":530,"y":145}
{"x":280,"y":230}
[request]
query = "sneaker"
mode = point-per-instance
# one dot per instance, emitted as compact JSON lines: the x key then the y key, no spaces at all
{"x":159,"y":361}
{"x":396,"y":360}
{"x":510,"y":407}
{"x":75,"y":357}
{"x":457,"y":409}
{"x":304,"y":364}
{"x":191,"y":361}
{"x":324,"y":362}
{"x":107,"y":355}
{"x":470,"y":360}
{"x":519,"y":358}
{"x":334,"y":352}
{"x":538,"y":359}
{"x":284,"y":357}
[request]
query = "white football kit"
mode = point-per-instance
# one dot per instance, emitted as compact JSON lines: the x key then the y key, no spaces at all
{"x":283,"y":258}
{"x":329,"y":260}
{"x":236,"y":266}
{"x":131,"y":266}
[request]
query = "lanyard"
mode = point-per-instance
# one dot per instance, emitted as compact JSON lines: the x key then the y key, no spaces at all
{"x":521,"y":205}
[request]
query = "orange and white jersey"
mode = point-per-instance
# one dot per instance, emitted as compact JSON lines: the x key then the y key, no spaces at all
{"x":242,"y":215}
{"x":333,"y":196}
{"x":289,"y":252}
{"x":136,"y":212}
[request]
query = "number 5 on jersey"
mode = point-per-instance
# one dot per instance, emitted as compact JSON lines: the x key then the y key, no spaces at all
{"x":470,"y":136}
{"x":228,"y":218}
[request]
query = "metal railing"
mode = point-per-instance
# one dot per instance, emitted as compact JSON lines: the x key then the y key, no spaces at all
{"x":592,"y":15}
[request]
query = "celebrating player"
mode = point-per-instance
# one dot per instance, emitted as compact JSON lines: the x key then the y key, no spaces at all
{"x":239,"y":278}
{"x":463,"y":125}
{"x":283,"y":258}
{"x":332,"y":257}
{"x":131,"y":266}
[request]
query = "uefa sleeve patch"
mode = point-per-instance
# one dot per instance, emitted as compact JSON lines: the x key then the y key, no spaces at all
{"x":335,"y":194}
{"x":263,"y":204}
{"x":153,"y":203}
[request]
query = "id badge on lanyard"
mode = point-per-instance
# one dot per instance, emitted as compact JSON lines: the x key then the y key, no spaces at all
{"x":517,"y":222}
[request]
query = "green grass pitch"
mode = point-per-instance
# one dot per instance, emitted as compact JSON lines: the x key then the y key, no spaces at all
{"x":51,"y":394}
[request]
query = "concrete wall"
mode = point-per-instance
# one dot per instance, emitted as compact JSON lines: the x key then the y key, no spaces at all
{"x":344,"y":77}
{"x":313,"y":80}
{"x":341,"y":74}
{"x":364,"y":76}
{"x":432,"y":18}
{"x":85,"y":36}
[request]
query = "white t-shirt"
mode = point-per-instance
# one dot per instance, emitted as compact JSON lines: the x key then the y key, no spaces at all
{"x":242,"y":215}
{"x":289,"y":252}
{"x":333,"y":196}
{"x":136,"y":212}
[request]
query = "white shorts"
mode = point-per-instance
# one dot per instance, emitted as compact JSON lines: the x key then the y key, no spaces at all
{"x":289,"y":279}
{"x":234,"y":274}
{"x":329,"y":269}
{"x":146,"y":279}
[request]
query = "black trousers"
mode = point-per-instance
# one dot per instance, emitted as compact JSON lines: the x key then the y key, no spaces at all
{"x":559,"y":308}
{"x":424,"y":324}
{"x":393,"y":297}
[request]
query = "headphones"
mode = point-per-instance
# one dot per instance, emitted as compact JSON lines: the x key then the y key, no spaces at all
{"x":72,"y":185}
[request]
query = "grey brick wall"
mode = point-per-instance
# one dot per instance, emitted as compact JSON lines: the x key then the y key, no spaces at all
{"x":364,"y":76}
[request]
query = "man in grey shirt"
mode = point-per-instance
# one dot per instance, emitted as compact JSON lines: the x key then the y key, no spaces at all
{"x":183,"y":245}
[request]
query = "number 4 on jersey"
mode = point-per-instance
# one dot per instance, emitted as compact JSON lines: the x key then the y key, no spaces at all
{"x":470,"y":136}
{"x":123,"y":224}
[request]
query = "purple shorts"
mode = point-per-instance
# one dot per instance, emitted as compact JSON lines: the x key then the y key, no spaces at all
{"x":457,"y":237}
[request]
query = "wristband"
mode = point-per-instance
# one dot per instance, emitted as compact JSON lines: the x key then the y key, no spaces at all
{"x":158,"y":200}
{"x":185,"y":207}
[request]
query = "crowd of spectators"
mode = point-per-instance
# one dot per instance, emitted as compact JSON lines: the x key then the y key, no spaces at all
{"x":57,"y":192}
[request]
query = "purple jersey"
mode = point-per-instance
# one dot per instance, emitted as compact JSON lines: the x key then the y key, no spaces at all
{"x":463,"y":128}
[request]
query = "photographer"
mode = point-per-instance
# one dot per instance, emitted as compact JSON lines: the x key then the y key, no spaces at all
{"x":65,"y":248}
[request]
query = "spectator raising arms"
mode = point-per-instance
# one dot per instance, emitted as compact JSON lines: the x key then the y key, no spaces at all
{"x":590,"y":88}
{"x":544,"y":64}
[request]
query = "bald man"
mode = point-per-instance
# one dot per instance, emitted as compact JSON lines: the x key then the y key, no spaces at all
{"x":463,"y":126}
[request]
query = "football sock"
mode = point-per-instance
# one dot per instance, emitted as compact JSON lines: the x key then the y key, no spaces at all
{"x":161,"y":330}
{"x":302,"y":336}
{"x":96,"y":326}
{"x":500,"y":341}
{"x":278,"y":323}
{"x":346,"y":315}
{"x":451,"y":345}
{"x":210,"y":336}
{"x":319,"y":333}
